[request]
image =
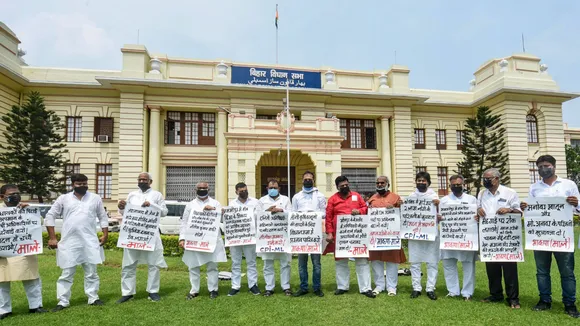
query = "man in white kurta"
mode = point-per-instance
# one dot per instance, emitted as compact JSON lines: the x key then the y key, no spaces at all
{"x":79,"y":244}
{"x":273,"y":202}
{"x":249,"y":251}
{"x":145,"y":197}
{"x":451,"y":257}
{"x":195,"y":259}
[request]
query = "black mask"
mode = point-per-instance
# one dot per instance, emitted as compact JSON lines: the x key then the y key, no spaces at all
{"x":344,"y":190}
{"x":457,"y":190}
{"x":308,"y":183}
{"x":243,"y":194}
{"x":546,"y":172}
{"x":487,"y":184}
{"x":382,"y":190}
{"x":81,"y":190}
{"x":143,"y":186}
{"x":12,"y":200}
{"x":202,"y":192}
{"x":422,"y":187}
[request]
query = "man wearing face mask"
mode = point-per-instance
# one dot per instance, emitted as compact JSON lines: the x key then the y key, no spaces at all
{"x":249,"y":251}
{"x":392,"y":258}
{"x":273,"y":202}
{"x":552,"y":185}
{"x":451,"y":257}
{"x":309,"y":200}
{"x":143,"y":197}
{"x":23,"y":268}
{"x":498,"y":199}
{"x":79,"y":244}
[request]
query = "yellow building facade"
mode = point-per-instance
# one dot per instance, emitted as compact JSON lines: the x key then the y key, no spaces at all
{"x":222,"y":121}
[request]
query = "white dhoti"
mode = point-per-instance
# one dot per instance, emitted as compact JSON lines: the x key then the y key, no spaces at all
{"x":195,"y":259}
{"x":153,"y":259}
{"x":249,"y":251}
{"x":363,"y":274}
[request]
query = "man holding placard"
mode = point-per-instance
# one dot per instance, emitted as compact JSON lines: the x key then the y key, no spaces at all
{"x":144,"y":197}
{"x":274,"y":203}
{"x":552,"y":186}
{"x":499,"y":200}
{"x":459,"y":210}
{"x":200,"y":236}
{"x":18,"y":268}
{"x":248,"y":250}
{"x":309,"y":200}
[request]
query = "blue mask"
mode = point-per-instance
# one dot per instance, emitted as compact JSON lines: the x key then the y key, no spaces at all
{"x":308,"y":189}
{"x":273,"y":192}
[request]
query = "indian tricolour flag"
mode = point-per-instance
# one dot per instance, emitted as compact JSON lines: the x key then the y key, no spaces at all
{"x":276,"y":21}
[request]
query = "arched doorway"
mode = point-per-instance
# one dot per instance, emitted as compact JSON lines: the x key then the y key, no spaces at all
{"x":273,"y":164}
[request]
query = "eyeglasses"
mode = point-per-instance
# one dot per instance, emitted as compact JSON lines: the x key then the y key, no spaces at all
{"x":488,"y":179}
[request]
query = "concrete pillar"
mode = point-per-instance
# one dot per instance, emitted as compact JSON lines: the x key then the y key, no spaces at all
{"x":154,"y":153}
{"x":386,"y":147}
{"x":221,"y":182}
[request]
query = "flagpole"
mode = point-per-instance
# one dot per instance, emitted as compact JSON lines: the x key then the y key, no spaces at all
{"x":288,"y":132}
{"x":276,"y":33}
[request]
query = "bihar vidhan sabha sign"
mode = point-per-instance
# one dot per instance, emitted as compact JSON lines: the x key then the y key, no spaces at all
{"x":139,"y":228}
{"x":418,"y":219}
{"x":352,"y":236}
{"x":549,"y":224}
{"x":272,"y":232}
{"x":385,"y":228}
{"x":500,"y":238}
{"x":239,"y":226}
{"x":458,"y":227}
{"x":20,"y":231}
{"x":305,"y":232}
{"x":202,"y":230}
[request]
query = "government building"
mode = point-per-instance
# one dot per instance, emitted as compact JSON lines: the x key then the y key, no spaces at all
{"x":223,"y":121}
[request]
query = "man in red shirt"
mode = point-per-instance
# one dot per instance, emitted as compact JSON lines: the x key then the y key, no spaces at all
{"x":346,"y":202}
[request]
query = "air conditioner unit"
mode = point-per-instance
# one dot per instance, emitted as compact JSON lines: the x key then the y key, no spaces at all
{"x":103,"y":138}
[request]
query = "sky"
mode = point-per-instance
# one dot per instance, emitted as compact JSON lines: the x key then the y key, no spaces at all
{"x":442,"y":42}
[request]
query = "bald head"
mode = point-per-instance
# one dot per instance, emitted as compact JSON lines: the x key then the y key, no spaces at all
{"x":202,"y":189}
{"x":144,"y":181}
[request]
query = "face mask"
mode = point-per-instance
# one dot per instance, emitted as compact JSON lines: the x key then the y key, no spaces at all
{"x":381,"y":190}
{"x":243,"y":194}
{"x":308,"y":183}
{"x":422,"y":187}
{"x":487,"y":184}
{"x":344,"y":190}
{"x":12,"y":200}
{"x":81,"y":190}
{"x":202,"y":193}
{"x":546,"y":172}
{"x":143,"y":186}
{"x":273,"y":192}
{"x":457,"y":190}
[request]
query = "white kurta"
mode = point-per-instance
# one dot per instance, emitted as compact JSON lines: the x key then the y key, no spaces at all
{"x":424,"y":251}
{"x":196,"y":258}
{"x":282,"y":202}
{"x":79,"y":242}
{"x":155,"y":257}
{"x":460,"y":255}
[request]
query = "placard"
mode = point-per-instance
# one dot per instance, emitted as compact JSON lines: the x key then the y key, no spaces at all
{"x":501,"y":238}
{"x":139,"y":227}
{"x":202,"y":230}
{"x":418,"y":219}
{"x":305,"y":232}
{"x":385,"y":228}
{"x":272,"y":233}
{"x":352,"y":236}
{"x":549,"y":224}
{"x":20,"y":231}
{"x":459,"y":227}
{"x":239,"y":226}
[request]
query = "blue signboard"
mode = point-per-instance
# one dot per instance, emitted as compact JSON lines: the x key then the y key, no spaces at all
{"x":275,"y":77}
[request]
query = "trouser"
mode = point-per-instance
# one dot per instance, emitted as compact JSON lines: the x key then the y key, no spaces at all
{"x":129,"y":279}
{"x":33,"y":289}
{"x":379,"y":276}
{"x":249,"y":251}
{"x":270,"y":277}
{"x":431,"y":276}
{"x":452,"y":277}
{"x":65,"y":282}
{"x":510,"y":275}
{"x":565,"y":262}
{"x":303,"y":271}
{"x":212,"y":277}
{"x":363,"y":274}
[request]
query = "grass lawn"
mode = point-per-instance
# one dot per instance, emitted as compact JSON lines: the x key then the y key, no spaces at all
{"x":246,"y":309}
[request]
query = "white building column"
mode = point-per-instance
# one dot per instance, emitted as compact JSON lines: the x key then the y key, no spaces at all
{"x":386,"y":147}
{"x":154,"y":154}
{"x":221,"y":180}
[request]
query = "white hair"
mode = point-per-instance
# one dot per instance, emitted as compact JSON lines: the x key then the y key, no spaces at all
{"x":148,"y":175}
{"x":384,"y":177}
{"x":495,"y":172}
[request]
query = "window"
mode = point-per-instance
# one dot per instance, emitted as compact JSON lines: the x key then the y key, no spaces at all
{"x":272,"y":117}
{"x":532,"y":124}
{"x":460,"y":134}
{"x":181,"y":181}
{"x":419,"y":138}
{"x":104,"y":180}
{"x":358,"y":133}
{"x":440,"y":139}
{"x":103,"y":132}
{"x":68,"y":170}
{"x":575,"y":142}
{"x":534,"y":175}
{"x":420,"y":169}
{"x":442,"y":180}
{"x":190,"y":128}
{"x":74,"y":129}
{"x":361,"y":180}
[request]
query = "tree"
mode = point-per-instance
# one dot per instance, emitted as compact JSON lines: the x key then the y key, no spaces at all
{"x":33,"y":156}
{"x":483,"y":148}
{"x":573,"y":163}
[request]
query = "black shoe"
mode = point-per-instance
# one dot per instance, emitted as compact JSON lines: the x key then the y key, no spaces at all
{"x":491,"y":298}
{"x":288,"y":292}
{"x":415,"y":294}
{"x":233,"y":292}
{"x":572,"y":311}
{"x":254,"y":290}
{"x":369,"y":294}
{"x":155,"y":297}
{"x":97,"y":303}
{"x":58,"y":308}
{"x":191,"y":296}
{"x":340,"y":292}
{"x":542,"y":305}
{"x":300,"y":293}
{"x":213,"y":294}
{"x":6,"y":315}
{"x":319,"y":293}
{"x":268,"y":293}
{"x":431,"y":295}
{"x":38,"y":310}
{"x":125,"y":298}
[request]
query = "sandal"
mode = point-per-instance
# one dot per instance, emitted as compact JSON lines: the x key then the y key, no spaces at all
{"x":515,"y":304}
